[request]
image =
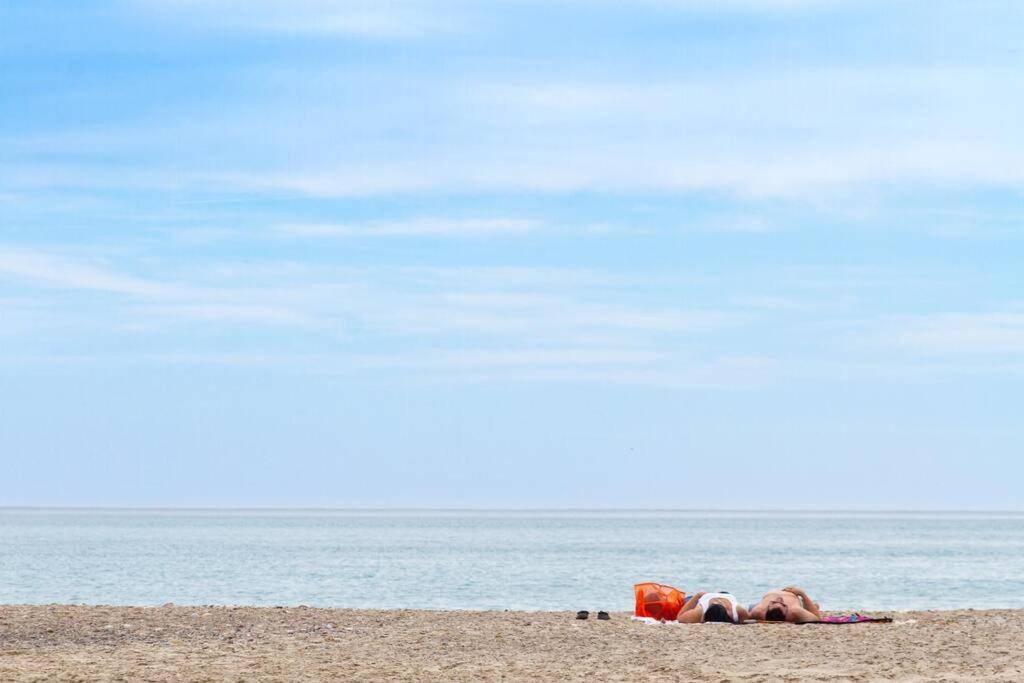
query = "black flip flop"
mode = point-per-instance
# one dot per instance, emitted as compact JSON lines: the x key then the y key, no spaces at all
{"x":582,"y":614}
{"x":603,"y":616}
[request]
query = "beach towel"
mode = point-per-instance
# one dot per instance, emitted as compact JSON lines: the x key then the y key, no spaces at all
{"x":851,"y":619}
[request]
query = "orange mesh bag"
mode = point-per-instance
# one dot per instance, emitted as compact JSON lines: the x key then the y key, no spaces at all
{"x":657,"y":601}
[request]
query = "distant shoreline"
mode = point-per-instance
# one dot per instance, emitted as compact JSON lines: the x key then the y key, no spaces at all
{"x":289,"y":643}
{"x":172,"y":607}
{"x":498,"y":510}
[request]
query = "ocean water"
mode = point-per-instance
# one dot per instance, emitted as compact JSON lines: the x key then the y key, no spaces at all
{"x":536,"y":560}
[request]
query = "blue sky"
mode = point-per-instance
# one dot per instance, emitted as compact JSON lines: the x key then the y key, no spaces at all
{"x":666,"y":253}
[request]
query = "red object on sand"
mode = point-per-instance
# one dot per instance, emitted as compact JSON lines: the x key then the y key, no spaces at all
{"x":657,"y":601}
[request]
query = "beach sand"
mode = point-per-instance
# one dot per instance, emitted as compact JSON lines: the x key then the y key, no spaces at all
{"x":77,"y":643}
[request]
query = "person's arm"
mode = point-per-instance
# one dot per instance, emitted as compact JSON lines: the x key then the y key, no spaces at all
{"x":742,"y":613}
{"x":694,"y":615}
{"x":802,"y":616}
{"x":809,"y":605}
{"x":691,"y":613}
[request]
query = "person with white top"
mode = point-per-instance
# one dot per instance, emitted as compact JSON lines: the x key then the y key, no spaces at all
{"x":707,"y":607}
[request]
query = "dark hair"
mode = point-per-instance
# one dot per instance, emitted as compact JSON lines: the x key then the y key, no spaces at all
{"x":717,"y":613}
{"x":775,"y":614}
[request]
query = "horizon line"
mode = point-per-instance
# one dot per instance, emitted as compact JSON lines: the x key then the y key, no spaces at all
{"x":257,"y":508}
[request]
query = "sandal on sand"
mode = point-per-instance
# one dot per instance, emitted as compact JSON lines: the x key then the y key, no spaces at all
{"x":582,"y":614}
{"x":603,"y":616}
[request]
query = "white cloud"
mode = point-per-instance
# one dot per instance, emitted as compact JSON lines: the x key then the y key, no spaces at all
{"x":474,"y":359}
{"x":474,"y":365}
{"x":748,"y":5}
{"x":512,"y":307}
{"x":152,"y":302}
{"x":480,"y":324}
{"x":63,"y":272}
{"x":773,"y":303}
{"x":490,"y":278}
{"x":720,"y":372}
{"x":964,"y":333}
{"x":800,"y":133}
{"x":416,"y":227}
{"x":795,"y":133}
{"x":398,"y":19}
{"x":357,"y":18}
{"x":805,"y":171}
{"x":225,"y":314}
{"x":740,"y":223}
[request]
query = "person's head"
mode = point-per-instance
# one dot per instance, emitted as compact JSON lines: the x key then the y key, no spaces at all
{"x":777,"y":610}
{"x":716,"y":612}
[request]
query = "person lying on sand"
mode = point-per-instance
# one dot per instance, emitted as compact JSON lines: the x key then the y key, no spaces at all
{"x":712,"y":607}
{"x":790,"y":604}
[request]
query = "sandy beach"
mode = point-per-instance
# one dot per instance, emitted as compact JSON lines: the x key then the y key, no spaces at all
{"x":80,"y":643}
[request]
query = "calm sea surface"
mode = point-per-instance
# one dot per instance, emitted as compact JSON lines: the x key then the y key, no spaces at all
{"x":506,"y":560}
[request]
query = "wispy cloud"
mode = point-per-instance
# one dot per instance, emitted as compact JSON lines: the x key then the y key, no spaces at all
{"x":59,"y":271}
{"x":224,"y":314}
{"x":514,"y":316}
{"x":745,"y":5}
{"x":737,"y":222}
{"x":415,"y":227}
{"x":817,"y":131}
{"x":484,"y":324}
{"x":585,"y":365}
{"x":959,"y":333}
{"x":358,"y":18}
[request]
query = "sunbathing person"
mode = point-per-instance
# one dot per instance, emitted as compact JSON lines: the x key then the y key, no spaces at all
{"x":712,"y":607}
{"x":789,"y":604}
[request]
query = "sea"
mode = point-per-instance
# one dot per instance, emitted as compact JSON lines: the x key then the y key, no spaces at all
{"x":506,"y":560}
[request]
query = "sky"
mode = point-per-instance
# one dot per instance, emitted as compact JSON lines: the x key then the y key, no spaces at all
{"x":509,"y":254}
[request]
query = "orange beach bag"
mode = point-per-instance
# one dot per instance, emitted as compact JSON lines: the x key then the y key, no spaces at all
{"x":657,"y":601}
